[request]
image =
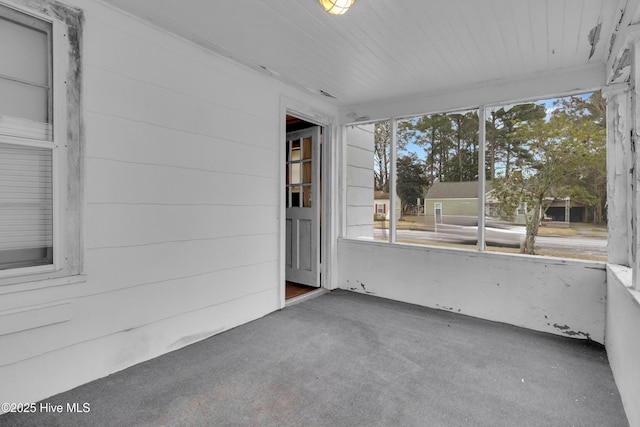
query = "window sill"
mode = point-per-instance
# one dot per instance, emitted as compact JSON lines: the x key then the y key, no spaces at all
{"x":624,"y":275}
{"x":541,"y":259}
{"x":28,"y":271}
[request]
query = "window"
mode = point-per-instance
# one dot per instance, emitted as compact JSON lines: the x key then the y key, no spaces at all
{"x":546,"y":161}
{"x":26,"y":141}
{"x":299,"y":155}
{"x":437,"y":173}
{"x":36,"y":144}
{"x":380,"y":133}
{"x":544,"y":168}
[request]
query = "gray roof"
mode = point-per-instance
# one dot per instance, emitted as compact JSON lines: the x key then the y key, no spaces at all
{"x":456,"y":190}
{"x":380,"y":195}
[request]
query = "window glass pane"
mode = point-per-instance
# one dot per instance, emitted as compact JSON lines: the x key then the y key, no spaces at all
{"x":25,"y":76}
{"x":437,"y":180}
{"x":24,"y":101}
{"x":547,"y":161}
{"x":306,"y":172}
{"x":295,"y":197}
{"x":24,"y":52}
{"x":362,"y":178}
{"x":295,"y":150}
{"x":295,"y":173}
{"x":306,"y":199}
{"x":26,"y":206}
{"x":306,"y":149}
{"x":380,"y":133}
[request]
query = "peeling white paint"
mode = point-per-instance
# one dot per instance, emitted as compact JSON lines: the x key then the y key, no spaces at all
{"x":562,"y":297}
{"x":618,"y":173}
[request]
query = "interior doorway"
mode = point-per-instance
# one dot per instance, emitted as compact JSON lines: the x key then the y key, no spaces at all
{"x":293,"y":290}
{"x":303,"y":206}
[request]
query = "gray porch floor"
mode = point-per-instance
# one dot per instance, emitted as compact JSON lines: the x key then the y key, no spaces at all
{"x":345,"y":359}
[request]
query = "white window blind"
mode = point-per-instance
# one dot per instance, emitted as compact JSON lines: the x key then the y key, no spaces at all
{"x":26,"y":206}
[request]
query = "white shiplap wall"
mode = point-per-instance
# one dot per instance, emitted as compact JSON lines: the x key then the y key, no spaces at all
{"x":182,"y":214}
{"x":359,"y":143}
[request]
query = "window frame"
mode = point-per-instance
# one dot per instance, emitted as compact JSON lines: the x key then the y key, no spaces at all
{"x":482,"y":111}
{"x":58,"y":144}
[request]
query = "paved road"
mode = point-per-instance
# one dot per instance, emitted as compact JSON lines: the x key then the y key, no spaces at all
{"x":581,"y":245}
{"x":500,"y":237}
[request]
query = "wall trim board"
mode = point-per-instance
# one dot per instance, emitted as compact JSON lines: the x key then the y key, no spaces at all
{"x":521,"y":89}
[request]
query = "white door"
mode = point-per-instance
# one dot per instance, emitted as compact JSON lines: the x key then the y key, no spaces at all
{"x":303,"y":207}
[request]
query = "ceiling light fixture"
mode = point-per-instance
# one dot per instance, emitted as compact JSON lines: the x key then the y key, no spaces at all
{"x":336,"y":7}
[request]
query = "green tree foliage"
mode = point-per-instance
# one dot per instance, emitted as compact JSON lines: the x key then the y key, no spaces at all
{"x":534,"y":179}
{"x":585,"y":137}
{"x":434,"y":134}
{"x":463,"y":164}
{"x":503,"y":144}
{"x":559,"y":157}
{"x":450,"y":144}
{"x":411,"y":180}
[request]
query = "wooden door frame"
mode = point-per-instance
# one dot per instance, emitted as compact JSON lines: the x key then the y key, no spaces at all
{"x":328,"y":233}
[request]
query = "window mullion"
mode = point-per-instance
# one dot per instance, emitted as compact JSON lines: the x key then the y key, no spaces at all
{"x":481,"y":175}
{"x":392,"y":180}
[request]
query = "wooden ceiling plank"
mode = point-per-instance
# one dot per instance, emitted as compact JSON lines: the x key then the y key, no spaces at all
{"x":501,"y":44}
{"x":471,"y":36}
{"x":522,"y":35}
{"x":575,"y":39}
{"x":555,"y":30}
{"x":430,"y":53}
{"x":538,"y":27}
{"x":391,"y":49}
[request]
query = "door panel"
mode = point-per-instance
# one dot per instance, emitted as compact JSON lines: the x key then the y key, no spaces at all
{"x":304,"y":244}
{"x":303,"y":207}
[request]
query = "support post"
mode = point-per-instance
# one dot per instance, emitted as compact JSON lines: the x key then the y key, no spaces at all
{"x":635,"y":175}
{"x":619,"y":168}
{"x":393,"y":220}
{"x":481,"y":175}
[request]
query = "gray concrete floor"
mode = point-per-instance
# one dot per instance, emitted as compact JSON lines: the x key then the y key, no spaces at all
{"x":346,"y":359}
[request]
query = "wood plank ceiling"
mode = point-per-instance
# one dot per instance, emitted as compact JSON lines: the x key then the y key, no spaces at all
{"x":386,"y":49}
